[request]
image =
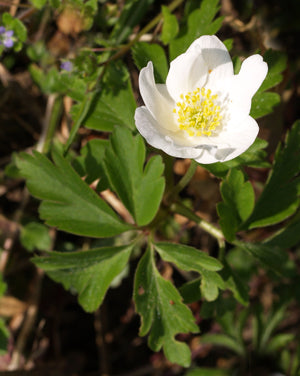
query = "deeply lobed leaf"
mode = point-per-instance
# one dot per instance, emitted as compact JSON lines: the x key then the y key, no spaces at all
{"x":139,"y":188}
{"x":115,"y":103}
{"x":280,"y":197}
{"x":200,"y":22}
{"x":189,"y":258}
{"x":170,"y":26}
{"x":90,"y":273}
{"x":68,"y":202}
{"x":237,"y":205}
{"x":263,"y":102}
{"x":162,"y":311}
{"x":144,"y":52}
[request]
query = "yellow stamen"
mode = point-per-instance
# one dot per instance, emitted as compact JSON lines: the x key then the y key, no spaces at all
{"x":198,"y":114}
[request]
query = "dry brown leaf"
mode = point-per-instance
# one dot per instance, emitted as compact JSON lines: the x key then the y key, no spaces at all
{"x":70,"y":21}
{"x":10,"y":306}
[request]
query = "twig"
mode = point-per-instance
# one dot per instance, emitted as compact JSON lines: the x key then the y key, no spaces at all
{"x":27,"y":13}
{"x":10,"y":241}
{"x":109,"y":197}
{"x":49,"y":124}
{"x":99,"y":324}
{"x":32,"y":310}
{"x":28,"y":323}
{"x":16,"y":3}
{"x":14,"y":7}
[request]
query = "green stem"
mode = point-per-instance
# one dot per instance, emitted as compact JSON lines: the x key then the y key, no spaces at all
{"x":184,"y":181}
{"x":145,"y":30}
{"x":84,"y":109}
{"x":202,"y":223}
{"x":53,"y":113}
{"x":168,"y":171}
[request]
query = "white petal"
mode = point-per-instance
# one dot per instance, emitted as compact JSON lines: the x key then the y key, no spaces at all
{"x":243,"y":137}
{"x":159,"y":138}
{"x":208,"y":155}
{"x":186,"y":72}
{"x":156,"y":98}
{"x":215,"y":55}
{"x":253,"y":72}
{"x":229,"y":144}
{"x":242,"y":87}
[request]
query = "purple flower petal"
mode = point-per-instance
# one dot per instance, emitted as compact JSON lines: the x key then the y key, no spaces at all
{"x":9,"y":33}
{"x":8,"y":43}
{"x":66,"y":65}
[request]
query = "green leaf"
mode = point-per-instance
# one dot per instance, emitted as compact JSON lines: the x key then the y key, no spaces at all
{"x":270,"y":325}
{"x":235,"y":284}
{"x":211,"y":282}
{"x":189,"y":258}
{"x":223,"y":340}
{"x":4,"y":332}
{"x":279,"y":341}
{"x":263,"y":104}
{"x":255,"y":156}
{"x":140,"y":189}
{"x":19,"y":29}
{"x":35,"y":236}
{"x":276,"y":61}
{"x":38,"y":3}
{"x":55,"y":3}
{"x":81,"y":116}
{"x":54,"y":81}
{"x":90,"y":273}
{"x":280,"y":197}
{"x":68,"y":202}
{"x":218,"y":308}
{"x":115,"y":103}
{"x":200,"y":22}
{"x":170,"y":26}
{"x":286,"y":237}
{"x":237,"y":205}
{"x":3,"y":285}
{"x":90,"y":162}
{"x":162,"y":311}
{"x":203,"y":371}
{"x":271,"y":257}
{"x":132,"y":13}
{"x":228,"y":44}
{"x":243,"y":263}
{"x":190,"y":291}
{"x":143,"y":52}
{"x":4,"y":335}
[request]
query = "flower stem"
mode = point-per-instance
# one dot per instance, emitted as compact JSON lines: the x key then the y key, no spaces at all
{"x":202,"y":223}
{"x":183,"y":182}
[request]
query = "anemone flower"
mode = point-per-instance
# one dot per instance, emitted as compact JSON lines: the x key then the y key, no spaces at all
{"x":202,"y":112}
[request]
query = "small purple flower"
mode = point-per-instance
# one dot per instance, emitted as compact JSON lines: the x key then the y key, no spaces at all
{"x":66,"y":65}
{"x":6,"y":37}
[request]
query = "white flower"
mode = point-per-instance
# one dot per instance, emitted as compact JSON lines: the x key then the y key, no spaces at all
{"x":202,"y":112}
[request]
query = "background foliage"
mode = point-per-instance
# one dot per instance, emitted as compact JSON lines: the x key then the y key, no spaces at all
{"x":117,"y":255}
